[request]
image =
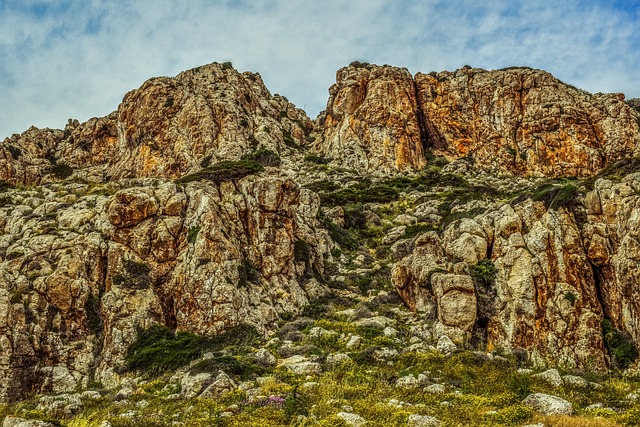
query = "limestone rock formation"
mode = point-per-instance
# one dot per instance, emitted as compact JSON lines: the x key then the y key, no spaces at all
{"x":166,"y":128}
{"x":154,"y":214}
{"x":525,"y":121}
{"x":371,"y":123}
{"x":83,"y":272}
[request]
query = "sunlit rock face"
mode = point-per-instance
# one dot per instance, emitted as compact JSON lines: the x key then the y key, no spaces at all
{"x":525,"y":121}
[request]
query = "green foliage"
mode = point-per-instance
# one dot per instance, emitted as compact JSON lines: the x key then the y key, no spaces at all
{"x":288,"y":139}
{"x":555,"y":196}
{"x":341,"y":236}
{"x":206,"y":161}
{"x":359,"y":193}
{"x":4,"y":186}
{"x":158,"y":350}
{"x":324,"y":185}
{"x":247,"y":273}
{"x":263,"y":156}
{"x":319,"y":160}
{"x":227,"y":170}
{"x":16,"y":296}
{"x":92,"y":312}
{"x":61,"y":170}
{"x":240,"y":366}
{"x":136,"y":275}
{"x":620,"y":345}
{"x":301,"y":251}
{"x":192,"y":235}
{"x":227,"y":65}
{"x":570,"y":297}
{"x":484,"y":272}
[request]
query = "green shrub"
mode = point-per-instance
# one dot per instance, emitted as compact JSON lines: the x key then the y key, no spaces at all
{"x":240,"y":366}
{"x":319,"y":160}
{"x":263,"y":156}
{"x":136,"y":275}
{"x":61,"y":170}
{"x":206,"y":161}
{"x":484,"y":272}
{"x":301,"y":251}
{"x":192,"y":235}
{"x":227,"y":170}
{"x":324,"y":185}
{"x":158,"y":350}
{"x":247,"y":273}
{"x":620,"y":345}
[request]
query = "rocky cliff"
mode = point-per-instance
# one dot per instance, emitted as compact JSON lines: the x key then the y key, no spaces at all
{"x":503,"y":207}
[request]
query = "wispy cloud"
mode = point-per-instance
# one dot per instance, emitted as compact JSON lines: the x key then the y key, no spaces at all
{"x":77,"y":58}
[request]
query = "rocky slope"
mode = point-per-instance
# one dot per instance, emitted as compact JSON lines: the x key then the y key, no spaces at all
{"x":204,"y":203}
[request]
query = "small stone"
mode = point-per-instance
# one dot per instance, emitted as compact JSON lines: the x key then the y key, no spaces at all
{"x":408,"y":382}
{"x":416,"y":420}
{"x":352,"y":420}
{"x":337,"y":359}
{"x":575,"y":381}
{"x":445,"y":345}
{"x":435,"y":389}
{"x":548,"y":405}
{"x":353,"y":342}
{"x":265,"y":358}
{"x":390,"y":332}
{"x":550,"y":376}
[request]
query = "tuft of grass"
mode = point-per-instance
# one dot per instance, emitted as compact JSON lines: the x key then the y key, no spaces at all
{"x":263,"y":156}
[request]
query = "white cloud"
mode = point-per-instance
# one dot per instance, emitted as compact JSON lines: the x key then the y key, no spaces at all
{"x":80,"y":60}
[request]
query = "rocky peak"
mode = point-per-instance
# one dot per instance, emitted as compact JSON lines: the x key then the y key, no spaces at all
{"x":525,"y":121}
{"x":371,"y":123}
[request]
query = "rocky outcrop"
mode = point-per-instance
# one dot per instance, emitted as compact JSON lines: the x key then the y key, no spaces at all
{"x":168,"y":127}
{"x":82,"y":273}
{"x":525,"y":121}
{"x":371,"y":123}
{"x":558,"y":274}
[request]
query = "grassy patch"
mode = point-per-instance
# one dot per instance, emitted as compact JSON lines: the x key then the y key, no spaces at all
{"x":158,"y":350}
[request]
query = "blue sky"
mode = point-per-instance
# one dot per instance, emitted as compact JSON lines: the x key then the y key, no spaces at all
{"x":77,"y":58}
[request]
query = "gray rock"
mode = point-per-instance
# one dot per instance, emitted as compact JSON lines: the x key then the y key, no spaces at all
{"x":193,"y":385}
{"x":408,"y":381}
{"x":352,"y":420}
{"x":222,"y":384}
{"x":416,"y":420}
{"x":548,"y":405}
{"x":435,"y":389}
{"x":445,"y":345}
{"x":337,"y":358}
{"x":10,"y":421}
{"x":550,"y":376}
{"x":265,"y":358}
{"x":575,"y":381}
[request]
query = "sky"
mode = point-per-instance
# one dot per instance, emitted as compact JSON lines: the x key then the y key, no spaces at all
{"x":63,"y":59}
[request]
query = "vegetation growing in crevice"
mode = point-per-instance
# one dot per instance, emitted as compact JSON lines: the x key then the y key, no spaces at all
{"x":136,"y":275}
{"x":263,"y":156}
{"x":621,"y":347}
{"x":223,"y":171}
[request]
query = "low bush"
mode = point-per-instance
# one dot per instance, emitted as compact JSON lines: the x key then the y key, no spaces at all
{"x":620,"y":345}
{"x":158,"y":350}
{"x":227,"y":170}
{"x":263,"y":156}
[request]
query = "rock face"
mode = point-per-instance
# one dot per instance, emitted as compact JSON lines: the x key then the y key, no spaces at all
{"x":78,"y":279}
{"x":166,"y":128}
{"x":371,"y":123}
{"x":525,"y":121}
{"x":558,"y":274}
{"x":124,"y":222}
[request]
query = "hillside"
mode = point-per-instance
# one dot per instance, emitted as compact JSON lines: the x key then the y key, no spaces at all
{"x":426,"y":247}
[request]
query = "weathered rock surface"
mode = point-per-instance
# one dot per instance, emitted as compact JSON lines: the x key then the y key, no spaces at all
{"x":525,"y":121}
{"x":371,"y":123}
{"x":559,"y":273}
{"x":548,"y":405}
{"x":168,"y":127}
{"x":78,"y":279}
